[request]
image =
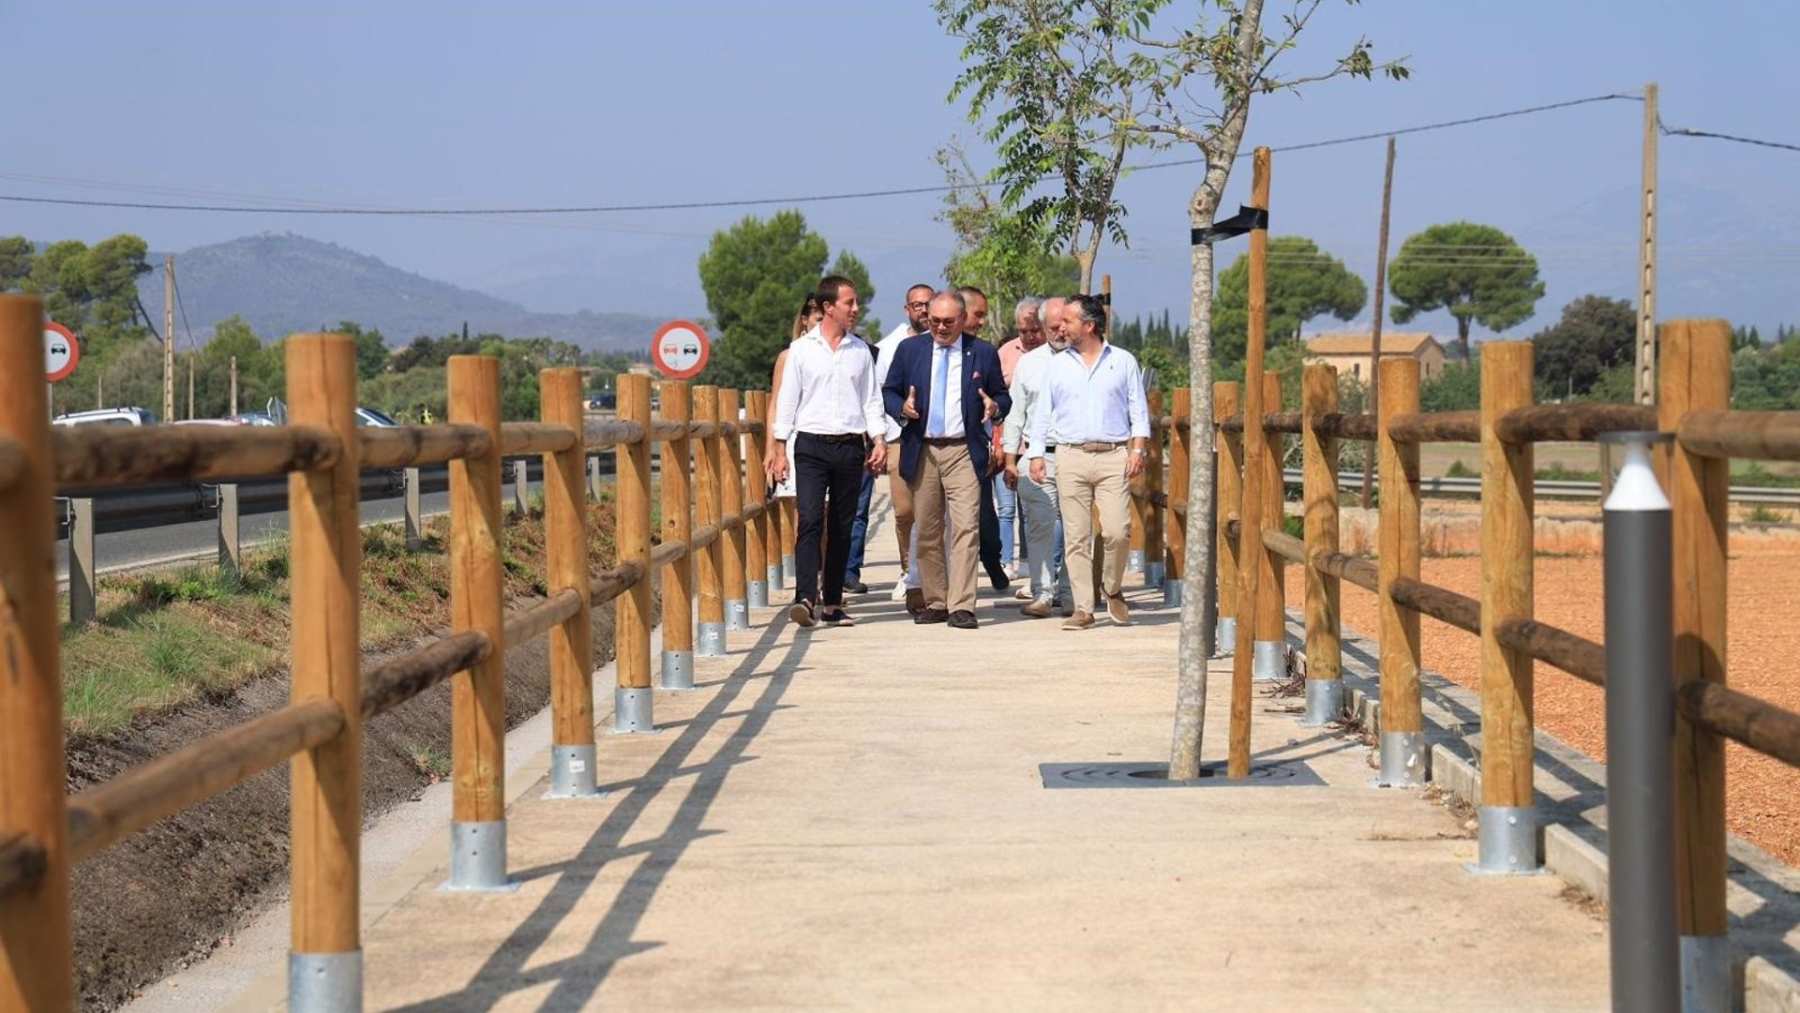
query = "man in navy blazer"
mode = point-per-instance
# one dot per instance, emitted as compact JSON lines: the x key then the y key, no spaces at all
{"x":943,"y":388}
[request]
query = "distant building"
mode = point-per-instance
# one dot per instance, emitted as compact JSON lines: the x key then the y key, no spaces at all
{"x":1349,"y":351}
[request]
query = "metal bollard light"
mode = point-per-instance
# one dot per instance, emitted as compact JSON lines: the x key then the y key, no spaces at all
{"x":1640,"y":735}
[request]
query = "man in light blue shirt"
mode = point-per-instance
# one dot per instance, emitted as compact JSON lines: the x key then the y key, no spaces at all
{"x":1096,"y":417}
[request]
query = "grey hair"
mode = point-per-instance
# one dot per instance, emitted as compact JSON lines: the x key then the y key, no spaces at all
{"x":950,"y":293}
{"x":1027,"y":304}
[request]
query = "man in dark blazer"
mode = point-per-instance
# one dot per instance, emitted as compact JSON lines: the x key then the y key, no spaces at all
{"x":942,"y":388}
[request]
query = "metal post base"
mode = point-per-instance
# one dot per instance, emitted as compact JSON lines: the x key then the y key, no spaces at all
{"x":737,"y":614}
{"x":325,"y":982}
{"x":1153,"y":576}
{"x":790,"y":570}
{"x":1225,"y":636}
{"x":1171,"y":590}
{"x":572,"y":772}
{"x":631,"y":710}
{"x":1269,"y":663}
{"x":678,"y":670}
{"x":1507,"y":841}
{"x":1324,"y":702}
{"x":478,"y":857}
{"x":1402,"y":760}
{"x":776,"y":581}
{"x":756,"y":593}
{"x":1706,"y":980}
{"x":712,"y":641}
{"x":1134,"y":560}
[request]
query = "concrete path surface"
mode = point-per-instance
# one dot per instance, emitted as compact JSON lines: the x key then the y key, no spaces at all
{"x":855,"y":818}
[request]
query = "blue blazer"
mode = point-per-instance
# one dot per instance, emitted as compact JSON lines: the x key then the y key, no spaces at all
{"x":912,"y":368}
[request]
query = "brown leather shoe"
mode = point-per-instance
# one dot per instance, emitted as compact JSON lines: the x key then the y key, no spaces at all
{"x":1081,"y":620}
{"x":928,"y":616}
{"x":1118,"y":610}
{"x":915,"y":601}
{"x":1039,"y":609}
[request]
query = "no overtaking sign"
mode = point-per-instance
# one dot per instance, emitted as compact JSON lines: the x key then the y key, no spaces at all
{"x":680,"y":349}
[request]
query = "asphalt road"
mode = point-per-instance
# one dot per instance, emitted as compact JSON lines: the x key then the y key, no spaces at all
{"x":146,"y":547}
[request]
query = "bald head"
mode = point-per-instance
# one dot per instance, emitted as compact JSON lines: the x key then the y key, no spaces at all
{"x":1051,"y":314}
{"x":948,"y":314}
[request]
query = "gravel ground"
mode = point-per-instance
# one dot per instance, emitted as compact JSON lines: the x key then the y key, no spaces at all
{"x":1762,"y":795}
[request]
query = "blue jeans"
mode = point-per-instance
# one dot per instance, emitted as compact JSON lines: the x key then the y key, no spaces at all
{"x":1006,"y":505}
{"x":859,"y":530}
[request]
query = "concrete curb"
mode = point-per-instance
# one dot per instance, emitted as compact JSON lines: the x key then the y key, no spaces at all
{"x":1573,"y":835}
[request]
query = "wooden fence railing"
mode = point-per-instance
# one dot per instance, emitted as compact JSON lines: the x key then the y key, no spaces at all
{"x":44,"y":831}
{"x":1693,"y":403}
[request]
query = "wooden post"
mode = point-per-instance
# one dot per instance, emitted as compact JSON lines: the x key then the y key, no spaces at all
{"x":756,"y":532}
{"x":1270,"y":660}
{"x":572,"y":755}
{"x":731,"y":485}
{"x":1403,"y":755}
{"x":709,"y":563}
{"x":84,"y":577}
{"x":1137,"y":541}
{"x":1174,"y":524}
{"x":1153,"y":483}
{"x":1695,"y":375}
{"x":1256,"y":448}
{"x":234,"y":399}
{"x":36,"y":945}
{"x":231,"y":543}
{"x":631,"y":624}
{"x":325,"y":966}
{"x":1508,"y":838}
{"x":477,"y":602}
{"x":1324,"y":657}
{"x":678,"y":526}
{"x":1227,"y":501}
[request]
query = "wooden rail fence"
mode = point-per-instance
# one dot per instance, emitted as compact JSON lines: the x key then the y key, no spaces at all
{"x":1693,"y":404}
{"x":44,"y":831}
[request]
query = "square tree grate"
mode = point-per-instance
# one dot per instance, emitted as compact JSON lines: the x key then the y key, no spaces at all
{"x":1291,"y":773}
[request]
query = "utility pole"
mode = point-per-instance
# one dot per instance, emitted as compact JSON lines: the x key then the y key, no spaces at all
{"x":190,"y":383}
{"x":1387,"y":203}
{"x":1644,"y":389}
{"x":234,"y":409}
{"x":168,"y":405}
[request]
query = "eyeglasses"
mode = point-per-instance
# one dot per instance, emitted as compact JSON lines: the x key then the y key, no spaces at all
{"x":918,"y":305}
{"x":943,"y":321}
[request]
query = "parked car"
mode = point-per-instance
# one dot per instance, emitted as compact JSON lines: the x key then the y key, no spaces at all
{"x":107,"y":417}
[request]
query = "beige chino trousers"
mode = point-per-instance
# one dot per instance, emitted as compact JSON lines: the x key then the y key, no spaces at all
{"x":947,"y":483}
{"x":1088,"y":483}
{"x":901,"y":494}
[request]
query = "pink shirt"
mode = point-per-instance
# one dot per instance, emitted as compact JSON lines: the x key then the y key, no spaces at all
{"x":1009,"y":358}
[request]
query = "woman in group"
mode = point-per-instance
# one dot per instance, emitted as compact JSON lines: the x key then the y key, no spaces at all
{"x":809,"y":316}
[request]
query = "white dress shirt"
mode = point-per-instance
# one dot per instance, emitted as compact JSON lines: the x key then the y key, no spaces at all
{"x":829,"y":393}
{"x":884,"y":361}
{"x":952,"y":392}
{"x":1027,"y":397}
{"x":1102,"y":403}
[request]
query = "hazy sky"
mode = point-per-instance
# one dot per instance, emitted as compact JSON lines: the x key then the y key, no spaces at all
{"x":448,"y":104}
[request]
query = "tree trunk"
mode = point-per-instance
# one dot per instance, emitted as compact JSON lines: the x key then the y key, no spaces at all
{"x":1199,"y":602}
{"x":1462,"y":338}
{"x":1085,"y":258}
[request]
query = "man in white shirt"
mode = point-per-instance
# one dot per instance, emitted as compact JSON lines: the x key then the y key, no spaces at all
{"x":1096,"y":416}
{"x":918,"y":299}
{"x":829,"y":410}
{"x":1049,"y":582}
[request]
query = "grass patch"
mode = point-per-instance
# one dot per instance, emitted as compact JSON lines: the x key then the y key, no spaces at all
{"x":166,"y":639}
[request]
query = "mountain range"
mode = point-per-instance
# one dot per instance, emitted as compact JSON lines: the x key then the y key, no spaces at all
{"x":282,"y":283}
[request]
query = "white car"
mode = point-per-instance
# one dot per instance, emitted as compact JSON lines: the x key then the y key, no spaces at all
{"x":107,"y":417}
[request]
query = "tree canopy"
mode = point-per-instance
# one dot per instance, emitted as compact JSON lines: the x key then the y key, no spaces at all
{"x":1302,"y":282}
{"x":1475,"y":272}
{"x":1595,"y":334}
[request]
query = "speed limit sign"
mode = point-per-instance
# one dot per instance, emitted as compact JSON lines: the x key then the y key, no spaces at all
{"x":61,"y":351}
{"x":680,"y":349}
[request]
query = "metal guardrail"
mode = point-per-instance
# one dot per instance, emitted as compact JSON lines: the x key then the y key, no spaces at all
{"x":1546,"y":488}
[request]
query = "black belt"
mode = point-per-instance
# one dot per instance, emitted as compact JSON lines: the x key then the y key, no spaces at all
{"x":836,"y":437}
{"x":1050,"y":449}
{"x":945,"y":441}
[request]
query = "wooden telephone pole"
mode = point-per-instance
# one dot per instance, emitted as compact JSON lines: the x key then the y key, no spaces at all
{"x":1644,"y":390}
{"x":1387,"y":203}
{"x":168,"y":405}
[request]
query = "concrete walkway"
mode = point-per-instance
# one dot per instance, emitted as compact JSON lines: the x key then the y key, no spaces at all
{"x":856,"y":818}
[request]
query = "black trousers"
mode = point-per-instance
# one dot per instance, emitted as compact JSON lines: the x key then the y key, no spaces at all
{"x":990,"y":527}
{"x":827,"y":484}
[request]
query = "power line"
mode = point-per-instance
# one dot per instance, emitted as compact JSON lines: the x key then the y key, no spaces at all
{"x":1685,"y":132}
{"x":182,"y":307}
{"x":762,"y":201}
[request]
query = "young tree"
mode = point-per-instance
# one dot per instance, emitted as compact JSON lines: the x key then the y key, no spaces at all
{"x":1303,"y":282}
{"x":755,"y":276}
{"x":1001,"y":252}
{"x":1594,"y":335}
{"x":1475,"y":272}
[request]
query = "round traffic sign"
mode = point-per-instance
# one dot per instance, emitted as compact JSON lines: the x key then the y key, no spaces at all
{"x":680,"y":349}
{"x":61,"y":351}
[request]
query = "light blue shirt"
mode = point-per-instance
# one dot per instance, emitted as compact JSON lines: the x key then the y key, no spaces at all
{"x":1104,"y":403}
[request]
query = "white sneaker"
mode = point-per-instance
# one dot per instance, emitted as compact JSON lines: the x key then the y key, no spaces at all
{"x":899,"y":592}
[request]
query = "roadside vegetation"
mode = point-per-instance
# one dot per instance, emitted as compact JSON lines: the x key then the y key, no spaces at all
{"x":166,"y":639}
